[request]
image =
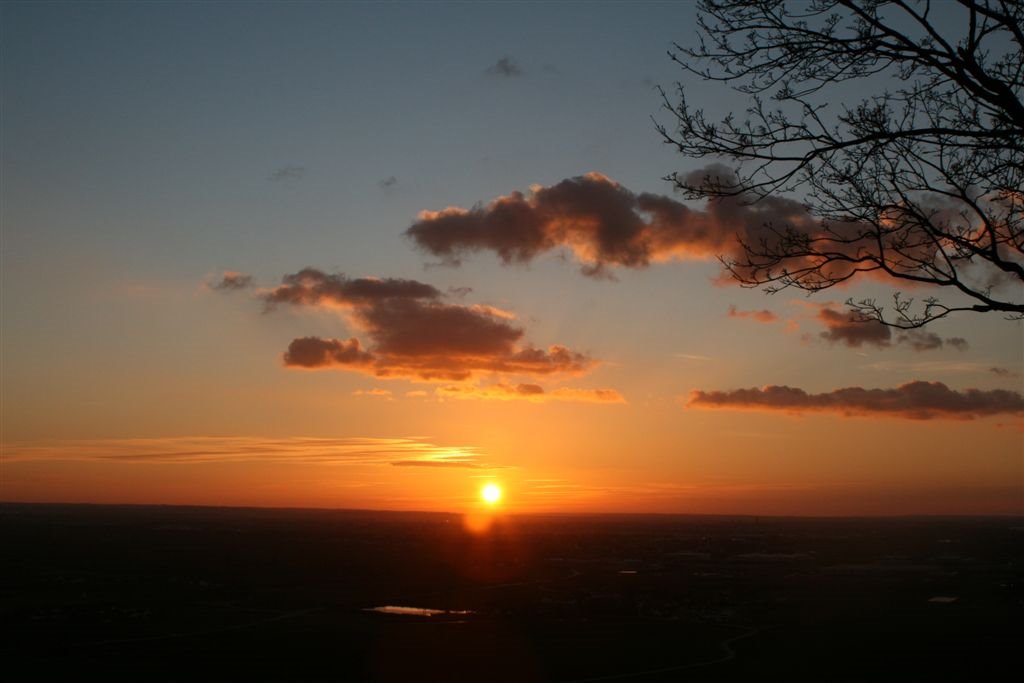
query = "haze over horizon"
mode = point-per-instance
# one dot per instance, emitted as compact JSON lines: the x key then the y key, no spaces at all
{"x":378,"y":255}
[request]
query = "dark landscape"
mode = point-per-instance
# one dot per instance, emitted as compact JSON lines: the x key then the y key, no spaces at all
{"x":169,"y":593}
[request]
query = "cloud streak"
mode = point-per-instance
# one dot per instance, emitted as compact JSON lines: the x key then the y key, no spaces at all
{"x":210,"y":449}
{"x":914,"y":400}
{"x":413,"y":333}
{"x":288,"y":173}
{"x":762,"y":316}
{"x":530,"y":392}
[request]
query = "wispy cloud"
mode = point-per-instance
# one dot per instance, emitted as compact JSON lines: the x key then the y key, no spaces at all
{"x":288,"y":173}
{"x":505,"y":67}
{"x":762,"y":316}
{"x":691,"y":356}
{"x":373,"y":393}
{"x":529,"y":392}
{"x":220,"y":449}
{"x":232,"y":280}
{"x":928,"y":367}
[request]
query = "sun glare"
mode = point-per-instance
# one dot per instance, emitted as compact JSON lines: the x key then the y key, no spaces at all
{"x":491,"y":493}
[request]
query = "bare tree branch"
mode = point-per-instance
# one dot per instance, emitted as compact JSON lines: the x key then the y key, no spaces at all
{"x":921,"y":183}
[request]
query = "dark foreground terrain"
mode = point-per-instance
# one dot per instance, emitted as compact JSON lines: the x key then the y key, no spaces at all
{"x":173,"y":593}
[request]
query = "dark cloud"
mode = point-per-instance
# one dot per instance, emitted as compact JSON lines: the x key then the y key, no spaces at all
{"x":505,"y":67}
{"x":915,"y":400}
{"x":313,"y":287}
{"x":605,"y":225}
{"x":231,"y":281}
{"x":842,"y":327}
{"x":958,"y":343}
{"x":388,"y":182}
{"x":845,"y":327}
{"x":288,"y":173}
{"x":314,"y":352}
{"x":1002,"y":372}
{"x":762,"y":316}
{"x":413,"y":333}
{"x":921,"y":341}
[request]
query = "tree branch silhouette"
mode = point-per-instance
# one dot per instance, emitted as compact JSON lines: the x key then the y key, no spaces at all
{"x":919,"y":183}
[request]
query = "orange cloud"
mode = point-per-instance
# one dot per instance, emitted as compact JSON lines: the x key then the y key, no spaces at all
{"x":762,"y":316}
{"x":376,"y":393}
{"x":914,"y":400}
{"x":209,"y":449}
{"x":413,"y":333}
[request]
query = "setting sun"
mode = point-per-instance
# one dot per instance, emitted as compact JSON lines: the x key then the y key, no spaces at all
{"x":491,"y":493}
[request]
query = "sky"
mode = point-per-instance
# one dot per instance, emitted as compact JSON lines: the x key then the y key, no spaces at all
{"x":343,"y":255}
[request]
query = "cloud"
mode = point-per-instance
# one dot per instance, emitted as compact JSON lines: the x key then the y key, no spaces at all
{"x":1002,"y":372}
{"x":932,"y":367}
{"x":220,"y":449}
{"x":844,"y":327}
{"x":762,"y":316}
{"x":914,"y":400}
{"x":604,"y":225}
{"x":927,"y":341}
{"x":387,"y":183}
{"x":231,"y":281}
{"x":413,"y":333}
{"x":314,"y":352}
{"x":958,"y":343}
{"x":449,"y":462}
{"x":529,"y":392}
{"x":375,"y":393}
{"x":312,"y":287}
{"x":920,"y":340}
{"x":505,"y":67}
{"x":288,"y":173}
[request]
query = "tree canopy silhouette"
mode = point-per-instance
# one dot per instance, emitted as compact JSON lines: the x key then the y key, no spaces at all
{"x":917,"y":180}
